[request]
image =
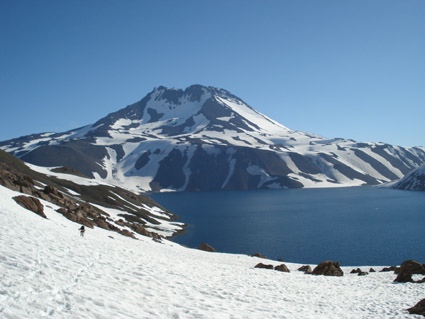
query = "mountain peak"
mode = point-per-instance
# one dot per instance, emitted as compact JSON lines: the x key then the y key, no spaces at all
{"x":192,"y":93}
{"x":206,"y":138}
{"x":171,"y":112}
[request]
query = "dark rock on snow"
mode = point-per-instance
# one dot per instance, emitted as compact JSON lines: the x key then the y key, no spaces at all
{"x":418,"y":309}
{"x":355,"y":271}
{"x":306,"y":269}
{"x":282,"y":268}
{"x":409,"y":268}
{"x":388,"y":269}
{"x":206,"y":247}
{"x":328,"y":268}
{"x":359,"y":272}
{"x":263,"y":266}
{"x":31,"y":203}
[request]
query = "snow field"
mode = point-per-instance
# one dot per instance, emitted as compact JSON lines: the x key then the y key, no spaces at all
{"x":48,"y":271}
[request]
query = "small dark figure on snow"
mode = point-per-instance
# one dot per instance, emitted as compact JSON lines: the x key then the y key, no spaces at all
{"x":82,"y":230}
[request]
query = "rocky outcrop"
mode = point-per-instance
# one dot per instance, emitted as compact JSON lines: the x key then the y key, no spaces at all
{"x":388,"y":269}
{"x":409,"y":268}
{"x":206,"y":247}
{"x":418,"y":309}
{"x":263,"y":266}
{"x":306,"y":269}
{"x":328,"y":268}
{"x":75,"y":201}
{"x":359,"y":272}
{"x":31,"y":203}
{"x":282,"y":268}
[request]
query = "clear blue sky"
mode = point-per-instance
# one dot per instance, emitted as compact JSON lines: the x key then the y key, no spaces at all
{"x":338,"y":68}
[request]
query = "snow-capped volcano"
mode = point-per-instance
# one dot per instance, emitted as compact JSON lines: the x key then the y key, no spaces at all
{"x":205,"y":138}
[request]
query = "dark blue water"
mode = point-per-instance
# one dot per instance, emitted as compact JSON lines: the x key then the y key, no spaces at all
{"x":355,"y":226}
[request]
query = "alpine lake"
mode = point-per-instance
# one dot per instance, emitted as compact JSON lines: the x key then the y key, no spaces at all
{"x":356,"y":226}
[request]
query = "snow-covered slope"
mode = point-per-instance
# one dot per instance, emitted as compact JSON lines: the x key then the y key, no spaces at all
{"x":48,"y":271}
{"x":204,"y":138}
{"x":415,"y":180}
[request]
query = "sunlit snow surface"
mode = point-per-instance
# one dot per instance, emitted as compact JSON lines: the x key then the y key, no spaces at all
{"x":48,"y":271}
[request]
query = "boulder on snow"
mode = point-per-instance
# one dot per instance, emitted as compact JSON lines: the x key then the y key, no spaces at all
{"x":31,"y":203}
{"x":418,"y":309}
{"x":355,"y":271}
{"x":388,"y":269}
{"x":264,"y":266}
{"x":282,"y":268}
{"x":259,"y":255}
{"x":328,"y":268}
{"x":306,"y":269}
{"x":127,"y":233}
{"x":409,"y":268}
{"x":206,"y":247}
{"x":359,"y":272}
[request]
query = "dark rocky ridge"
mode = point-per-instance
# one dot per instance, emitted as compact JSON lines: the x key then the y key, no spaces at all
{"x":15,"y":175}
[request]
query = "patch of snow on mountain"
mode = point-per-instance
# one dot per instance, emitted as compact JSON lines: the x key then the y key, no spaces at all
{"x":68,"y":177}
{"x":183,"y":110}
{"x":189,"y":152}
{"x":163,"y":227}
{"x":251,"y":115}
{"x":232,"y":162}
{"x":109,"y":163}
{"x":121,"y":123}
{"x":255,"y":170}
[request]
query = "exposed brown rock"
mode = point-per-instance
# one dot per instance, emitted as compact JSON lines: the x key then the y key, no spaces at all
{"x":418,"y":309}
{"x":15,"y":175}
{"x":282,"y":268}
{"x":31,"y":203}
{"x":264,"y":266}
{"x":306,"y":269}
{"x":127,"y":233}
{"x":387,"y":269}
{"x":206,"y":247}
{"x":409,"y":268}
{"x":359,"y":272}
{"x":328,"y":268}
